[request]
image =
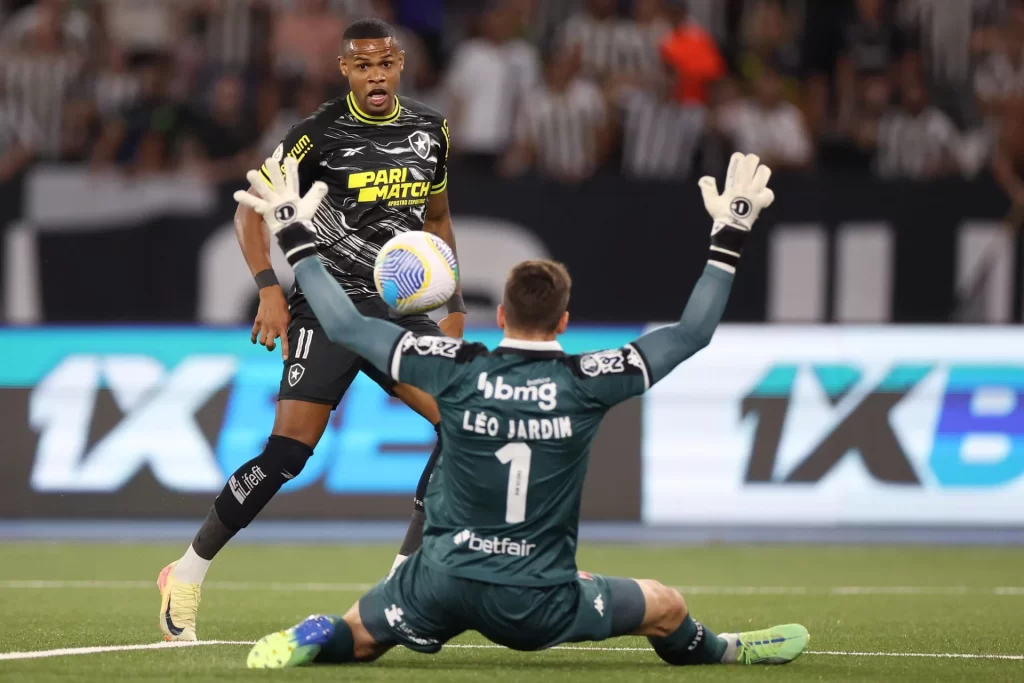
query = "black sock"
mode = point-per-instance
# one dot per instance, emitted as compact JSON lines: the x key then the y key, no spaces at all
{"x":341,"y":647}
{"x":213,"y":535}
{"x":691,"y":643}
{"x":253,"y":484}
{"x":414,"y":535}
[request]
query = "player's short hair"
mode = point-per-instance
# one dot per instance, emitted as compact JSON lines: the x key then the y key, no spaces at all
{"x":537,"y":295}
{"x":365,"y":29}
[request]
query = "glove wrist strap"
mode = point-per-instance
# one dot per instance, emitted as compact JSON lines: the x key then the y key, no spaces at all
{"x":727,"y":244}
{"x":297,"y":242}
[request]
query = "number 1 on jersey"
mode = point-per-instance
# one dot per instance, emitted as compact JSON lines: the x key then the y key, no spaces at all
{"x":517,"y":456}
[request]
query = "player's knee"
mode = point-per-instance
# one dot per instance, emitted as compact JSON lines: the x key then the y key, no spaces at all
{"x":665,"y":610}
{"x":301,"y":420}
{"x":285,"y":456}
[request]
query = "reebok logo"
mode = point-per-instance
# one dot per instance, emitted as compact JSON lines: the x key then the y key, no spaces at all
{"x":494,"y":545}
{"x":242,"y":485}
{"x":545,"y":394}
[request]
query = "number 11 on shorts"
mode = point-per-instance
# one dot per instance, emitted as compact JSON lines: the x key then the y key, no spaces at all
{"x":517,"y":456}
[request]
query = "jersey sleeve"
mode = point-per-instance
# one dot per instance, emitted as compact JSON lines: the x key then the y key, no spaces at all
{"x":613,"y":376}
{"x":433,"y":364}
{"x":440,"y":183}
{"x":304,"y":142}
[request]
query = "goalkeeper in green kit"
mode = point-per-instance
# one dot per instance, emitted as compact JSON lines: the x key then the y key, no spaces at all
{"x":499,"y":549}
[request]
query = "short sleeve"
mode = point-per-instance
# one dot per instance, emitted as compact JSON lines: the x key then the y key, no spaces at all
{"x":433,"y":364}
{"x":613,"y":376}
{"x":304,"y":142}
{"x":440,"y":183}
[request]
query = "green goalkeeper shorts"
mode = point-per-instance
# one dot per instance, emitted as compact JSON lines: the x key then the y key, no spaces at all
{"x":422,"y":608}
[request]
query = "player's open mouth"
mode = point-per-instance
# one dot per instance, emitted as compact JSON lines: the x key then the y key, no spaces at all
{"x":377,"y":97}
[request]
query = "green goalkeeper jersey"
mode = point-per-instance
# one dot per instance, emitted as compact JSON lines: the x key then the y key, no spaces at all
{"x":517,"y":425}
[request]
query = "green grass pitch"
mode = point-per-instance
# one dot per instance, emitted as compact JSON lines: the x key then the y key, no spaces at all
{"x":867,"y":609}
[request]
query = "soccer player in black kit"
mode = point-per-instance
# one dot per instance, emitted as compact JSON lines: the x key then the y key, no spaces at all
{"x":383,"y":159}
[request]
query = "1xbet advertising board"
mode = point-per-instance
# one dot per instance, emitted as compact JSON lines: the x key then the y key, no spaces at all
{"x":149,"y":422}
{"x":831,"y":426}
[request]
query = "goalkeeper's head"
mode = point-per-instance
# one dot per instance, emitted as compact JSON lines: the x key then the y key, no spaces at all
{"x":536,"y":301}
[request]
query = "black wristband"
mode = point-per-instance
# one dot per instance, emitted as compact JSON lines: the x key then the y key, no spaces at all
{"x":726,"y":244}
{"x":266,"y":278}
{"x":456,"y":304}
{"x":297,"y":242}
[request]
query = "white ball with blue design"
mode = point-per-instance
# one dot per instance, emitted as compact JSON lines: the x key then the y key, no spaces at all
{"x":415,"y":272}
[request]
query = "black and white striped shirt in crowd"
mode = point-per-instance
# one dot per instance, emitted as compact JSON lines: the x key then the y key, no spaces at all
{"x":35,"y":90}
{"x":660,"y":137}
{"x":234,"y":28}
{"x":615,"y":46}
{"x":16,"y":129}
{"x":563,"y":128}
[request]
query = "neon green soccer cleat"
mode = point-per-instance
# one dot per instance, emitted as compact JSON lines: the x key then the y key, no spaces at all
{"x":775,"y":645}
{"x":297,"y":646}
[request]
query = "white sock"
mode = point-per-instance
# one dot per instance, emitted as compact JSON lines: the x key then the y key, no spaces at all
{"x":732,"y":649}
{"x":191,"y":568}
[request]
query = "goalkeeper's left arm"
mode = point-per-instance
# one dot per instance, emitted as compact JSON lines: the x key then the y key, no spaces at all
{"x":288,"y":216}
{"x":734,"y":211}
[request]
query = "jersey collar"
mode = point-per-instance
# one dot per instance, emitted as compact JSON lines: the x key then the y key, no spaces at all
{"x":540,"y":349}
{"x":367,"y":118}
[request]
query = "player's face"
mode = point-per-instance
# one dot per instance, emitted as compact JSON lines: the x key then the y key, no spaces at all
{"x":373,"y":68}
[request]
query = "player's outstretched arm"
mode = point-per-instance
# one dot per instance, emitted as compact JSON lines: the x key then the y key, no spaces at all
{"x":734,"y":212}
{"x":288,"y":216}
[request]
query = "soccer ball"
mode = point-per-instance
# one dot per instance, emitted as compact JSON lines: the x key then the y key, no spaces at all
{"x":415,"y":272}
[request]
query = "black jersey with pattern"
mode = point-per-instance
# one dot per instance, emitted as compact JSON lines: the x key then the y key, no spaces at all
{"x":380,"y":170}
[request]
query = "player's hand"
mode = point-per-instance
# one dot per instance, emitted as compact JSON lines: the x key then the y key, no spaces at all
{"x":272,"y":320}
{"x":281,"y":204}
{"x":746,"y":193}
{"x":453,"y":325}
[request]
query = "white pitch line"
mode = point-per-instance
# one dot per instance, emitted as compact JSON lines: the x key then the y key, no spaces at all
{"x":42,"y":654}
{"x":690,"y":590}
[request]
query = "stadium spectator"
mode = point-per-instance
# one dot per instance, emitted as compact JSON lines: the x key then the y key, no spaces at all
{"x":693,"y":55}
{"x":770,"y":38}
{"x":660,"y":137}
{"x":144,"y":137}
{"x":221,"y":141}
{"x":768,"y":125}
{"x":299,"y":99}
{"x":18,"y":139}
{"x":39,"y":68}
{"x":487,"y":85}
{"x":591,"y":31}
{"x":305,"y":40}
{"x":1008,"y":160}
{"x":871,"y":45}
{"x":419,"y":75}
{"x":71,"y":25}
{"x":916,"y":140}
{"x":999,"y":78}
{"x":564,"y":130}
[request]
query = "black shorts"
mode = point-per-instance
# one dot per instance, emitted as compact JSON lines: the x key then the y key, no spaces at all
{"x":319,"y":371}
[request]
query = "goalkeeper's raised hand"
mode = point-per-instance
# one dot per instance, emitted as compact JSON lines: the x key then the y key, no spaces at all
{"x":287,"y":214}
{"x":734,"y":211}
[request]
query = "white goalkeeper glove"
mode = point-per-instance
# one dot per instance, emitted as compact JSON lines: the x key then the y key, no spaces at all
{"x":734,"y":211}
{"x":287,"y":214}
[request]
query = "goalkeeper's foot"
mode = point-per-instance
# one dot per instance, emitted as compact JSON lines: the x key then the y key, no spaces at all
{"x":297,"y":646}
{"x":179,"y":606}
{"x":775,"y":645}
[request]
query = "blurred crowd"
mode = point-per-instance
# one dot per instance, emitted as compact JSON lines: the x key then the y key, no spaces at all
{"x":653,"y":89}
